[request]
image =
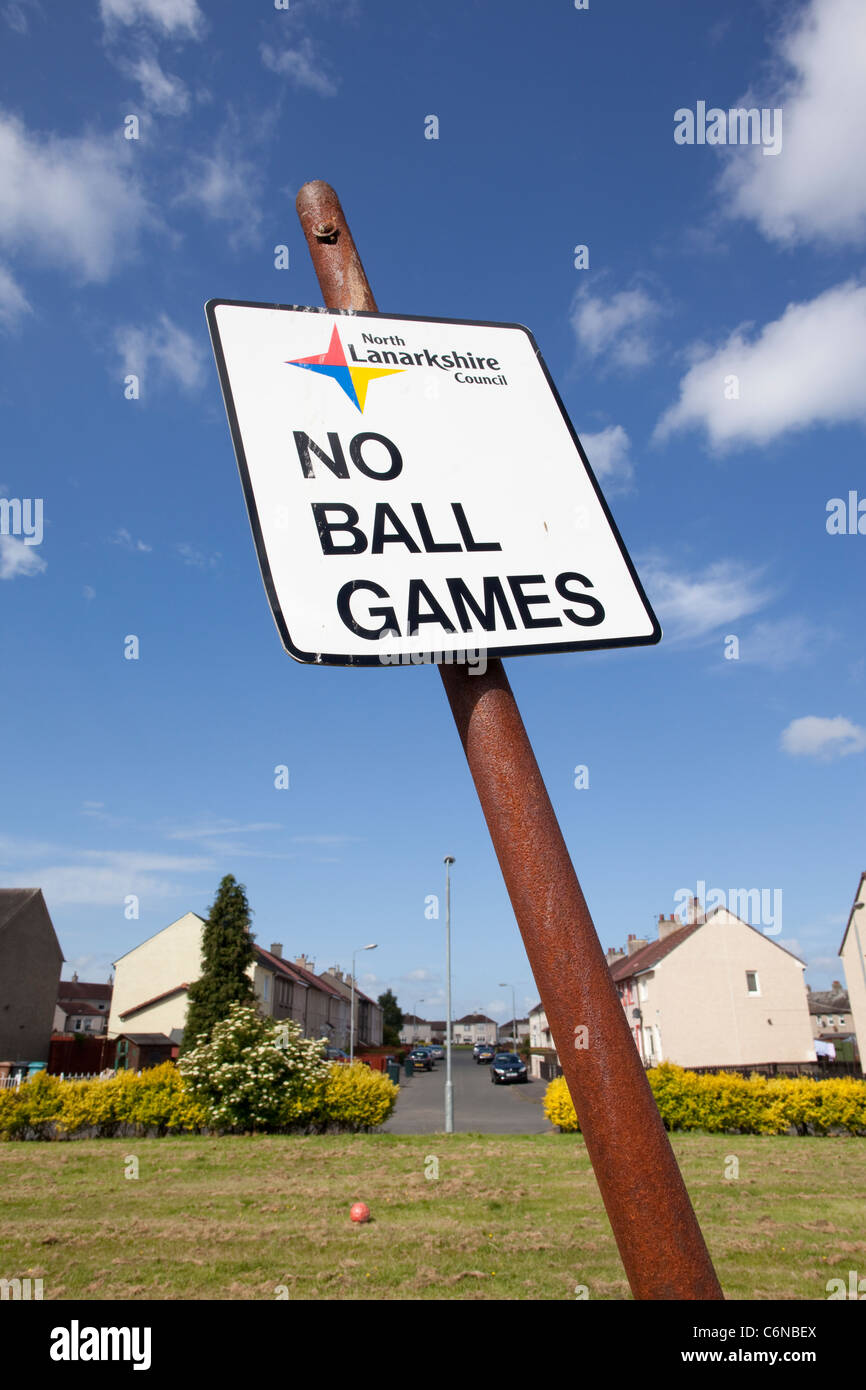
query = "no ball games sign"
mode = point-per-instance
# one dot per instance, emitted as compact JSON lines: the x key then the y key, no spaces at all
{"x":415,"y":487}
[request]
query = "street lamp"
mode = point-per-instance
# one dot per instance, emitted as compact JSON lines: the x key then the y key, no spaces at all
{"x":449,"y":1085}
{"x":503,"y":984}
{"x":352,"y":1016}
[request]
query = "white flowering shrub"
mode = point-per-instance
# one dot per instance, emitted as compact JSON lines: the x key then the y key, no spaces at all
{"x":256,"y":1073}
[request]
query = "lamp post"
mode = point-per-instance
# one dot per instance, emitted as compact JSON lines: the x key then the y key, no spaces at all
{"x":503,"y":984}
{"x":449,"y":1085}
{"x":352,"y":1016}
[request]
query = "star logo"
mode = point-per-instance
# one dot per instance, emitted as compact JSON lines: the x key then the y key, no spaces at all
{"x":353,"y":380}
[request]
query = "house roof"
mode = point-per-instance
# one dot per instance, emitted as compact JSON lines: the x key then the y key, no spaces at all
{"x":281,"y":967}
{"x":857,"y":899}
{"x":333,"y":983}
{"x":476,"y":1018}
{"x":829,"y":1001}
{"x":68,"y":991}
{"x":81,"y":1008}
{"x":650,"y":955}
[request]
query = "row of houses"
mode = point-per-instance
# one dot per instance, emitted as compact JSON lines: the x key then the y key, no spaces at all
{"x":144,"y":1009}
{"x":471,"y":1028}
{"x":713,"y":991}
{"x":152,"y":981}
{"x":708,"y":991}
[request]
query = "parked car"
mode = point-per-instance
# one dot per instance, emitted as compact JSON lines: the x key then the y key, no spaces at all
{"x":422,"y":1057}
{"x":507,"y":1066}
{"x":477,"y":1048}
{"x":438,"y":1053}
{"x":484,"y":1053}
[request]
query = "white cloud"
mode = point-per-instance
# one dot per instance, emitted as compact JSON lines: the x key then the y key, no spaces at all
{"x":608,"y":452}
{"x":691,"y":607}
{"x":162,"y":91}
{"x":825,"y":739}
{"x":175,"y":17}
{"x":172,"y":353}
{"x":617,"y":328}
{"x":301,"y":65}
{"x":18,"y":559}
{"x":13,"y":301}
{"x":68,"y":875}
{"x":224,"y":827}
{"x":123,"y":538}
{"x":806,"y":368}
{"x":227,"y":186}
{"x":89,"y":592}
{"x":15,"y":15}
{"x":421,"y":975}
{"x":815,"y":188}
{"x":780,"y":644}
{"x":198,"y":559}
{"x":68,"y":200}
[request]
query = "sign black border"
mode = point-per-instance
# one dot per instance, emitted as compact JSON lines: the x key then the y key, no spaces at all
{"x":332,"y":658}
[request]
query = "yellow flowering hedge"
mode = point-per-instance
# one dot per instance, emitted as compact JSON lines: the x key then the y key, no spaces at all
{"x":47,"y":1108}
{"x":160,"y":1101}
{"x":356,"y":1097}
{"x":724,"y":1103}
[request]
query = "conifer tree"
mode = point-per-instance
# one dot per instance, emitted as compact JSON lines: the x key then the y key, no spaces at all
{"x":227,"y":953}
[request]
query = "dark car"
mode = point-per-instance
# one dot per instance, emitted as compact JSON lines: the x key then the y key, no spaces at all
{"x":485,"y":1053}
{"x":507,"y":1066}
{"x":422,"y":1057}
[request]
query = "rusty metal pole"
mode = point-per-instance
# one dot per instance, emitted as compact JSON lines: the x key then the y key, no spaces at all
{"x":652,"y":1218}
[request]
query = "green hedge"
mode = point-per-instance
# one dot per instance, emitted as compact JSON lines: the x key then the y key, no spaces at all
{"x":160,"y":1102}
{"x":725,"y":1103}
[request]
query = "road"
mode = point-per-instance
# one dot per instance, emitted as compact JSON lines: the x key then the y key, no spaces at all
{"x":479,"y":1106}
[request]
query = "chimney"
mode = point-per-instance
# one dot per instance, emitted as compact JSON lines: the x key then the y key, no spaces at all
{"x":694,"y":913}
{"x":636,"y":943}
{"x":304,"y":963}
{"x":277,"y":949}
{"x":668,"y":925}
{"x":614,"y":953}
{"x":75,"y":977}
{"x":837,"y":987}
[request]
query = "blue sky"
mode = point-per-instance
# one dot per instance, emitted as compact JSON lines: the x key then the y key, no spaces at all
{"x":556,"y":129}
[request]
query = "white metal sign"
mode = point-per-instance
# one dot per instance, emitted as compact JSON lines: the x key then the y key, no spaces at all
{"x":415,"y":488}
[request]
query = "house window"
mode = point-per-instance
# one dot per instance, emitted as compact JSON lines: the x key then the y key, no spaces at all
{"x":752,"y":982}
{"x":266,"y":988}
{"x":641,"y":991}
{"x":283,"y":992}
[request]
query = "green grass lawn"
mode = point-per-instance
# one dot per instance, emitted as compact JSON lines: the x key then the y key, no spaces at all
{"x":508,"y":1216}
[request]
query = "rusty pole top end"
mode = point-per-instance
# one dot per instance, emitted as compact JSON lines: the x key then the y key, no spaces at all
{"x":334,"y":254}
